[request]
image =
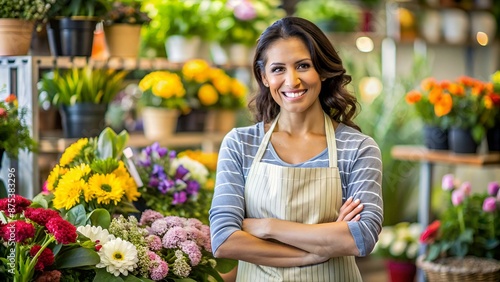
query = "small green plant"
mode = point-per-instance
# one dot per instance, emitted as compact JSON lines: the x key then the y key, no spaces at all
{"x":330,"y":15}
{"x":79,"y":85}
{"x":128,"y":12}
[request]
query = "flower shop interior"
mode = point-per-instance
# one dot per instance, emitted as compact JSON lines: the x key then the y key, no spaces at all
{"x":106,"y":105}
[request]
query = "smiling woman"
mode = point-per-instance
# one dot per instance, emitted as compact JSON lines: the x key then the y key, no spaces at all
{"x":304,"y":168}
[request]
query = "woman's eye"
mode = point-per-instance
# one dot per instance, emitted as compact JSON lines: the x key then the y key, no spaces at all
{"x":303,"y":66}
{"x":277,"y":69}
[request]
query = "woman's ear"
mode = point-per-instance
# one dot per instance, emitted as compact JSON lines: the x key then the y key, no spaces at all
{"x":264,"y":81}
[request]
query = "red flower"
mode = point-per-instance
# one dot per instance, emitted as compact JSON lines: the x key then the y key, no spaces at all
{"x":18,"y":231}
{"x":63,"y":231}
{"x":3,"y":112}
{"x":49,"y":276}
{"x":40,"y":215}
{"x":11,"y":98}
{"x":430,"y":234}
{"x":16,"y":204}
{"x":46,"y":258}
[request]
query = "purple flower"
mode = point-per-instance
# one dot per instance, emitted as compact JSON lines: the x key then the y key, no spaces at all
{"x":192,"y":187}
{"x":174,"y":237}
{"x":145,"y":162}
{"x":490,"y":204}
{"x":174,"y":221}
{"x":165,"y":186}
{"x":149,"y":216}
{"x":448,"y":182}
{"x":179,"y":198}
{"x":154,"y":242}
{"x":493,"y":188}
{"x":158,"y":171}
{"x":457,"y":197}
{"x":162,"y":152}
{"x":192,"y":250}
{"x":181,"y":172}
{"x":172,"y":155}
{"x":466,"y":188}
{"x":153,"y":182}
{"x":160,"y":270}
{"x":245,"y":11}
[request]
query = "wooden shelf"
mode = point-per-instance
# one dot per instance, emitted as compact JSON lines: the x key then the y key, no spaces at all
{"x":420,"y":153}
{"x":53,"y":142}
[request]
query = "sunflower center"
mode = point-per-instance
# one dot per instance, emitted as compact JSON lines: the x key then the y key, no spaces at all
{"x":106,"y":187}
{"x":118,"y":256}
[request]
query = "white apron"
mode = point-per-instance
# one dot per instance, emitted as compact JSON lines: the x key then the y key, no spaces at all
{"x":306,"y":195}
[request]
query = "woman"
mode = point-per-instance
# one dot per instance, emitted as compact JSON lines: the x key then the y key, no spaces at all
{"x":277,"y":205}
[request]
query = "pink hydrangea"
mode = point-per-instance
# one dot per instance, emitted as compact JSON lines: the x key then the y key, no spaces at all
{"x":174,"y":237}
{"x":194,"y":222}
{"x":192,"y":250}
{"x":149,"y":216}
{"x":160,"y":271}
{"x":154,"y":242}
{"x":63,"y":231}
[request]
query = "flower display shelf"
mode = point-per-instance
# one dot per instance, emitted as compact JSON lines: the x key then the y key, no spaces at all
{"x":465,"y":269}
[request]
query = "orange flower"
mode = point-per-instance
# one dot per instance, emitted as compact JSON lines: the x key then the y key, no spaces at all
{"x":428,"y":83}
{"x":11,"y":98}
{"x":413,"y":97}
{"x":445,"y":84}
{"x":444,"y":105}
{"x":435,"y":95}
{"x":488,"y":102}
{"x":466,"y":80}
{"x":456,"y":89}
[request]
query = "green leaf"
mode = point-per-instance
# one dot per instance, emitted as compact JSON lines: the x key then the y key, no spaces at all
{"x":433,"y":253}
{"x":77,"y":257}
{"x":225,"y":265}
{"x":105,"y":144}
{"x":99,"y":217}
{"x":40,"y":201}
{"x":77,"y":215}
{"x":103,"y":276}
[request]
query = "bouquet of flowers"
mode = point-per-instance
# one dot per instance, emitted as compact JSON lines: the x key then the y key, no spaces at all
{"x":91,"y":176}
{"x":156,"y":247}
{"x":470,"y":226}
{"x":173,"y":185}
{"x":32,"y":239}
{"x":14,"y":132}
{"x":211,"y":88}
{"x":399,"y":242}
{"x":163,"y":89}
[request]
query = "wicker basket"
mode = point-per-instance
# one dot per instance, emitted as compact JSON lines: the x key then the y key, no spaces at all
{"x":473,"y":269}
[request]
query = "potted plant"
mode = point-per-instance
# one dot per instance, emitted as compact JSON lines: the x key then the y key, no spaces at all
{"x":432,"y":107}
{"x":72,"y":24}
{"x":398,"y":245}
{"x":17,"y":19}
{"x":82,"y":96}
{"x":463,"y":243}
{"x":493,"y":134}
{"x":241,"y":25}
{"x":330,"y":15}
{"x":123,"y":24}
{"x":212,"y":93}
{"x":162,"y":100}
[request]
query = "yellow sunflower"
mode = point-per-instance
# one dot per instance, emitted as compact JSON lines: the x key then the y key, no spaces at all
{"x":72,"y":151}
{"x":106,"y":188}
{"x":54,"y":176}
{"x":68,"y":193}
{"x":130,"y":186}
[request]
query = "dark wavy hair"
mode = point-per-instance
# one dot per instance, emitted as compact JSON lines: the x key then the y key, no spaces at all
{"x":335,"y":99}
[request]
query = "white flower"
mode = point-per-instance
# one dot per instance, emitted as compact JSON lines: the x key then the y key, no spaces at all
{"x":96,"y":233}
{"x":197,"y":171}
{"x":397,"y":248}
{"x":118,"y":256}
{"x":412,"y":250}
{"x":386,"y":237}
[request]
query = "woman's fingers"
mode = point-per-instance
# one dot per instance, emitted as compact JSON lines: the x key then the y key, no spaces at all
{"x":350,"y":210}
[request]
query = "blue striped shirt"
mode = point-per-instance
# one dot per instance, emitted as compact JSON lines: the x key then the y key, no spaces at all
{"x":360,"y":167}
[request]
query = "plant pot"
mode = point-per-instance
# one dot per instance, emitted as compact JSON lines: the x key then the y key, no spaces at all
{"x":493,"y":138}
{"x":83,"y":119}
{"x":461,"y":141}
{"x":401,"y":271}
{"x":239,"y":54}
{"x":181,"y":49}
{"x":194,"y":121}
{"x":123,"y":40}
{"x":460,"y":269}
{"x":435,"y":138}
{"x":220,"y":121}
{"x":76,"y":36}
{"x":15,"y":37}
{"x":159,"y":123}
{"x":54,"y":37}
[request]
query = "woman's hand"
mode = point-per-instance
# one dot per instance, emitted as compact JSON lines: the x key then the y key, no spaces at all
{"x":350,"y":210}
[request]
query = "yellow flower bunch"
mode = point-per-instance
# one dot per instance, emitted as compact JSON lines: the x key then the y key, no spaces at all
{"x":163,"y":89}
{"x":86,"y":177}
{"x":211,"y":87}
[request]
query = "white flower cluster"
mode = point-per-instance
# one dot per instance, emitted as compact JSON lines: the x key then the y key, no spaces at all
{"x":399,"y":241}
{"x":197,"y":171}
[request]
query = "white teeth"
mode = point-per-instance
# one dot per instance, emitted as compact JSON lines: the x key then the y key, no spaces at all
{"x":294,"y":94}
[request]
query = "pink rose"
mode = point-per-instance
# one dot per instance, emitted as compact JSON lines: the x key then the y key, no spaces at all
{"x":448,"y":182}
{"x":466,"y":188}
{"x":490,"y":204}
{"x":493,"y":188}
{"x":457,"y":197}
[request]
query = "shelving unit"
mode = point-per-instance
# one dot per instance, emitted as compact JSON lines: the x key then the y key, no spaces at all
{"x":21,"y":75}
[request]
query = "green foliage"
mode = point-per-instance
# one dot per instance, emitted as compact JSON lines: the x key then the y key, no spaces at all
{"x":128,"y":12}
{"x":26,"y":10}
{"x":330,"y":15}
{"x":79,"y":85}
{"x":80,"y":8}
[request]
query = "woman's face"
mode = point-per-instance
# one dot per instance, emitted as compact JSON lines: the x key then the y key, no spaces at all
{"x":290,"y":75}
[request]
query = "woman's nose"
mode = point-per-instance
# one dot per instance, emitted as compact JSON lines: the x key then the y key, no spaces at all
{"x":292,"y":79}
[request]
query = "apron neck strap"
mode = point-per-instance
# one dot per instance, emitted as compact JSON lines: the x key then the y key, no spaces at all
{"x":330,"y":140}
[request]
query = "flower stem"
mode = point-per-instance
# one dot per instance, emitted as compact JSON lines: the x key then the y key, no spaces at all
{"x":461,"y":220}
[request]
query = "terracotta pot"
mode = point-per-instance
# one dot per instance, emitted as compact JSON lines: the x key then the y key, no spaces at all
{"x":123,"y":40}
{"x":159,"y":123}
{"x":15,"y":37}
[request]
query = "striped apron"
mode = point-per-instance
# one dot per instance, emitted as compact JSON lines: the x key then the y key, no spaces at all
{"x":306,"y":195}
